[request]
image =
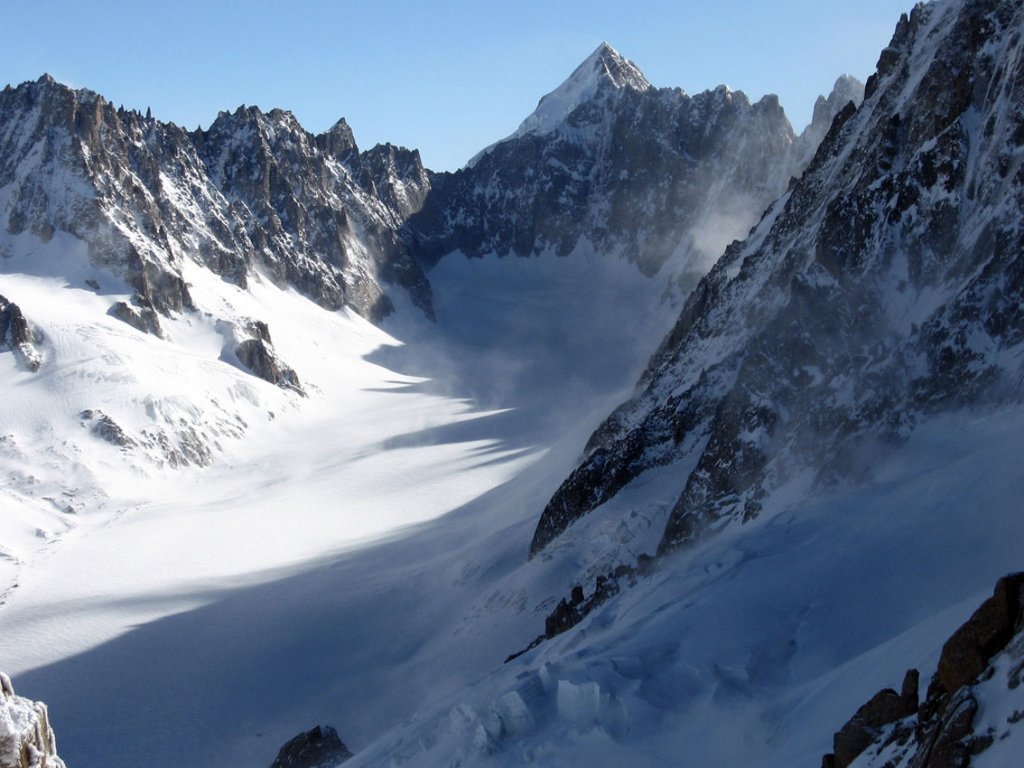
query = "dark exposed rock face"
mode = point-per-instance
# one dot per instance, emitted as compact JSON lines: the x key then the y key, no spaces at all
{"x":26,"y":738}
{"x":981,"y":661}
{"x":255,"y":355}
{"x":254,"y":349}
{"x":568,"y":613}
{"x":17,"y":336}
{"x":629,"y":169}
{"x":316,"y":748}
{"x":863,"y":728}
{"x":966,"y":654}
{"x":143,"y":319}
{"x":887,"y":284}
{"x":14,"y":329}
{"x":255,"y":190}
{"x":106,"y":428}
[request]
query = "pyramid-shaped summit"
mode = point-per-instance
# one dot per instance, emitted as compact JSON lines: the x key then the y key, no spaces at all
{"x":604,"y":68}
{"x":606,"y":64}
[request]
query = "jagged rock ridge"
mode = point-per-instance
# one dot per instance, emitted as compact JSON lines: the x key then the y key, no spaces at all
{"x":606,"y":159}
{"x":610,"y":162}
{"x":886,"y":285}
{"x":253,"y":193}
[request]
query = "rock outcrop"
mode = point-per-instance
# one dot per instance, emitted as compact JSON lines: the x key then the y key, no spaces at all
{"x":568,"y":613}
{"x":967,"y":653}
{"x":252,"y":347}
{"x":17,"y":336}
{"x":320,"y":747}
{"x":105,"y":428}
{"x":26,"y":738}
{"x":885,"y":707}
{"x":974,"y":700}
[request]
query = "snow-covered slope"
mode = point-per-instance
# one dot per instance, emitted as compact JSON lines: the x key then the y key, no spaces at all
{"x":360,"y":528}
{"x":135,"y":260}
{"x":753,"y":647}
{"x":141,"y":227}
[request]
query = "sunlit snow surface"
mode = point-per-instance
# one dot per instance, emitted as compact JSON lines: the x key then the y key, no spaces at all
{"x":358,"y":556}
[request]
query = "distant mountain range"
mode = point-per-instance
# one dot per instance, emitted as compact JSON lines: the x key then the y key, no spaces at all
{"x":257,"y":194}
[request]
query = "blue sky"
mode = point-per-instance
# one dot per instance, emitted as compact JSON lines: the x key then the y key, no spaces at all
{"x":448,"y":78}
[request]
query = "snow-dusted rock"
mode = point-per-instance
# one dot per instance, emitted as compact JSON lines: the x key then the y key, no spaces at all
{"x":311,"y":208}
{"x":249,"y":346}
{"x":320,"y":747}
{"x":16,"y":335}
{"x":846,"y":90}
{"x":26,"y":738}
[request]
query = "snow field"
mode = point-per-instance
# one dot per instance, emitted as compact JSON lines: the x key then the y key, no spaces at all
{"x":360,"y":558}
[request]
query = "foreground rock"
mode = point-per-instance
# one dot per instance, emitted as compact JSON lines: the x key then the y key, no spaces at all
{"x":974,"y":702}
{"x":316,"y":748}
{"x":26,"y":738}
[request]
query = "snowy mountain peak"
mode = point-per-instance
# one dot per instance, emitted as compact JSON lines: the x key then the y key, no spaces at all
{"x":256,"y":117}
{"x":607,"y":64}
{"x":604,"y":68}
